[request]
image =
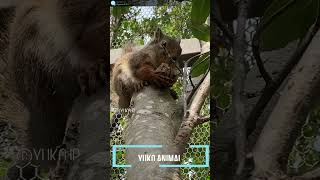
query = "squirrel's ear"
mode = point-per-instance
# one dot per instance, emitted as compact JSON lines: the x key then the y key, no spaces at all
{"x":158,"y":35}
{"x":179,"y":40}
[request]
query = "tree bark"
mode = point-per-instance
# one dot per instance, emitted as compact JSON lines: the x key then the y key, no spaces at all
{"x":92,"y":113}
{"x":192,"y":117}
{"x":239,"y":77}
{"x":278,"y":135}
{"x":155,"y":121}
{"x":87,"y":139}
{"x":223,"y":137}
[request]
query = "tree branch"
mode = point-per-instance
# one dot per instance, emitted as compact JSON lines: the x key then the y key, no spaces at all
{"x":257,"y":38}
{"x":271,"y":88}
{"x":185,"y":76}
{"x":202,"y":120}
{"x":278,"y":134}
{"x":191,"y":117}
{"x":256,"y":53}
{"x":238,"y":95}
{"x":196,"y":88}
{"x":225,"y":30}
{"x":85,"y":136}
{"x":155,"y":120}
{"x":223,"y":137}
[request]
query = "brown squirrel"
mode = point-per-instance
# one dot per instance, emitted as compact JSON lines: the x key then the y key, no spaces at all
{"x":152,"y":65}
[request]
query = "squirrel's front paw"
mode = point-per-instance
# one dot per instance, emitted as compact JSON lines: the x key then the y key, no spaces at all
{"x":163,"y":76}
{"x":164,"y":69}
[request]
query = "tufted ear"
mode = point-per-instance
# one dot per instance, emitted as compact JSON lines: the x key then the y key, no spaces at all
{"x":179,"y":40}
{"x":158,"y":35}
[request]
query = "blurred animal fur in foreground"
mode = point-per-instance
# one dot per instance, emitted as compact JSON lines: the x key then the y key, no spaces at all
{"x":56,"y":51}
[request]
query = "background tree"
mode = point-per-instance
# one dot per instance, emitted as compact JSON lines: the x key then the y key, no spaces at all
{"x":264,"y":123}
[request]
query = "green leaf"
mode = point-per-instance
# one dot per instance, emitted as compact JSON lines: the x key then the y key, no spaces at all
{"x":200,"y":11}
{"x":292,"y":24}
{"x":199,"y":14}
{"x":201,"y":65}
{"x":200,"y":31}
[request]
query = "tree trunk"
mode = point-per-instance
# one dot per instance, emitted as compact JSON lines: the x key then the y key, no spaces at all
{"x":86,"y":137}
{"x":297,"y":96}
{"x":155,"y":121}
{"x":223,"y":137}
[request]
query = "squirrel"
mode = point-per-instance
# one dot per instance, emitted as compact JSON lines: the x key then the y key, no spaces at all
{"x":152,"y":65}
{"x":57,"y":50}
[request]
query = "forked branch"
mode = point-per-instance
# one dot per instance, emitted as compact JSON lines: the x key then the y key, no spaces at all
{"x":192,"y":117}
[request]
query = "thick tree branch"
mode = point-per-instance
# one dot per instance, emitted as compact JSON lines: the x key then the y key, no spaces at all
{"x":224,"y":136}
{"x":271,"y":88}
{"x":280,"y":131}
{"x":155,"y":121}
{"x":86,"y":136}
{"x":191,"y":118}
{"x":238,"y":96}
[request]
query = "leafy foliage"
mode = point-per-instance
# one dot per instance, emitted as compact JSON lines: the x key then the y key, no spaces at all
{"x":201,"y":65}
{"x":200,"y":11}
{"x":138,"y":23}
{"x":199,"y":14}
{"x":201,"y":30}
